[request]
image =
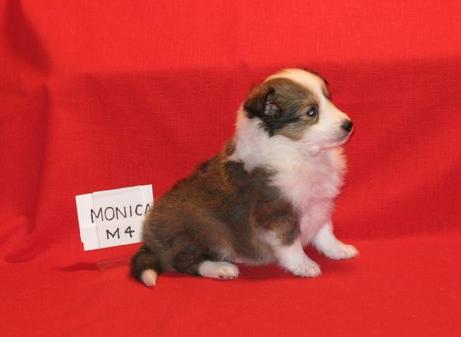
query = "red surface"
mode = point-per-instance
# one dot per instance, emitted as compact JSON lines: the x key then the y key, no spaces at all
{"x":105,"y":94}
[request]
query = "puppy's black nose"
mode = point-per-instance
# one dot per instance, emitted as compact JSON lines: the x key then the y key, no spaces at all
{"x":347,"y":125}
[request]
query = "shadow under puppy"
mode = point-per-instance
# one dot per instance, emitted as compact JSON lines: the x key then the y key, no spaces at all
{"x":265,"y":196}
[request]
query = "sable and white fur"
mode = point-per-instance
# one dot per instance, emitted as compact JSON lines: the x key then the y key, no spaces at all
{"x":309,"y":172}
{"x":293,"y":161}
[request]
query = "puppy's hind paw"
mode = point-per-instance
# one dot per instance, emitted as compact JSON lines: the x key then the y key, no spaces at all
{"x":219,"y":270}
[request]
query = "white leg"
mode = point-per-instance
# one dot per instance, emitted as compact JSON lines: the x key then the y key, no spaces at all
{"x":220,"y":270}
{"x":293,"y":258}
{"x":326,"y":242}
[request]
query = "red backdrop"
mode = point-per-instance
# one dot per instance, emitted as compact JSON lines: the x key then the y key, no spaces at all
{"x":105,"y":94}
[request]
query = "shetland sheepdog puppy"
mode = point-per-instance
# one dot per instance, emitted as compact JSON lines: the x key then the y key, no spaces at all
{"x":264,"y":197}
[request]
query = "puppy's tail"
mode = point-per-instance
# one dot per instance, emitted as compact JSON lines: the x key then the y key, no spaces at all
{"x":145,"y":266}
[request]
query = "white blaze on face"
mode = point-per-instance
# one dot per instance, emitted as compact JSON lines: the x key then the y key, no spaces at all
{"x":327,"y":132}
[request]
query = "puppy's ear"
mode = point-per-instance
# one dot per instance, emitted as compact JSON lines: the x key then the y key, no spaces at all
{"x":261,"y":103}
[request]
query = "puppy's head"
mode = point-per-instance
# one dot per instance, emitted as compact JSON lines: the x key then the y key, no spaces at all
{"x":295,"y":104}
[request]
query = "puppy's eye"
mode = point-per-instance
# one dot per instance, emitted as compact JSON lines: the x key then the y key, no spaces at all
{"x":312,"y":112}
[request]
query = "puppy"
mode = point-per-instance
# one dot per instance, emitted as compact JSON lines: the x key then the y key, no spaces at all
{"x":265,"y":196}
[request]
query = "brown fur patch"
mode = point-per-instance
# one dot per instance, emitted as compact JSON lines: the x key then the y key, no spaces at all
{"x":282,"y":105}
{"x":218,"y":212}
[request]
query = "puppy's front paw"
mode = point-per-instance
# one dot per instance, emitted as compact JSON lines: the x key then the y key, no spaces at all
{"x":341,"y":251}
{"x":306,"y":268}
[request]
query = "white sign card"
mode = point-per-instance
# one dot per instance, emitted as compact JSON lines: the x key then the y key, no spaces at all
{"x":113,"y":217}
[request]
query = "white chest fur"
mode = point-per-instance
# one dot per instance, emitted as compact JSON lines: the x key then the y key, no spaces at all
{"x":310,"y":180}
{"x":311,"y":183}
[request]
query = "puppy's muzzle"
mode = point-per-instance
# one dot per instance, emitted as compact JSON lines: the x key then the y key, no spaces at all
{"x":347,"y":125}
